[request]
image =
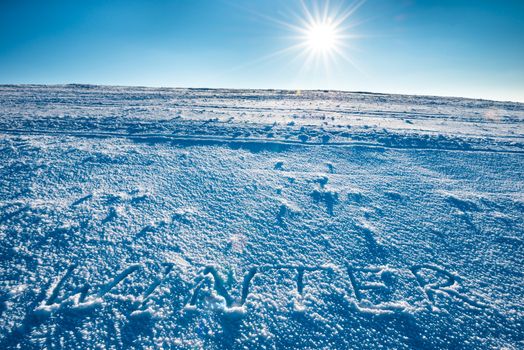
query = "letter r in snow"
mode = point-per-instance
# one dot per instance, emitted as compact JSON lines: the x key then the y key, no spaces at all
{"x":435,"y":280}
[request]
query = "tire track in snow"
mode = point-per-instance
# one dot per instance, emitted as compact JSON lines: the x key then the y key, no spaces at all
{"x":255,"y":143}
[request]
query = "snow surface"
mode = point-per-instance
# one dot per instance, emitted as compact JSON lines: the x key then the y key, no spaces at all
{"x":232,"y":219}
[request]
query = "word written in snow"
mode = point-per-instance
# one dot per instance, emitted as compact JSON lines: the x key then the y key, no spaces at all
{"x":431,"y":280}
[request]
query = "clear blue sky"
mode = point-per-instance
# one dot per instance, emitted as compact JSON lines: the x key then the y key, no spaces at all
{"x":471,"y":48}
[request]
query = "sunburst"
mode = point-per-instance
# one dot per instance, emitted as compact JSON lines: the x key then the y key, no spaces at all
{"x":325,"y":33}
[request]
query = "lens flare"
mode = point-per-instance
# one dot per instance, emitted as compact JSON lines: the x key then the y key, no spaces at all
{"x":322,"y":33}
{"x":325,"y":33}
{"x":321,"y":37}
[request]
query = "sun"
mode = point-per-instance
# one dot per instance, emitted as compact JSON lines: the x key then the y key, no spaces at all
{"x":325,"y":33}
{"x":321,"y":37}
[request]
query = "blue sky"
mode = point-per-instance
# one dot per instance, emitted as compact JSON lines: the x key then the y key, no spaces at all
{"x":445,"y":47}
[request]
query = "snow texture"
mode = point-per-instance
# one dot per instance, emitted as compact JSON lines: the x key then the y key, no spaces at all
{"x":250,"y":219}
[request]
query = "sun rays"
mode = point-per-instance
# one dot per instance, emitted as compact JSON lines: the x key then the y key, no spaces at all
{"x":320,"y":37}
{"x":325,"y":34}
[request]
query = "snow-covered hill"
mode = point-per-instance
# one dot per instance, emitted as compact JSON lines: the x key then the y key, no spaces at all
{"x":229,"y":219}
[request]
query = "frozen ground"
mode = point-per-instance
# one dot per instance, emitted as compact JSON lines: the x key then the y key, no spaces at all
{"x":232,"y":219}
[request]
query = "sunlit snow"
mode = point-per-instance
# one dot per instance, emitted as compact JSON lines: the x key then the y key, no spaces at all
{"x":232,"y":219}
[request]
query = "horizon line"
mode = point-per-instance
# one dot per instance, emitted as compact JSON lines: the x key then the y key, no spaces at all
{"x":271,"y":89}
